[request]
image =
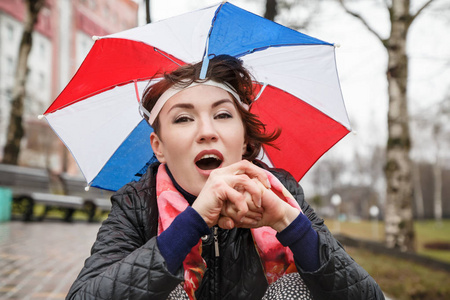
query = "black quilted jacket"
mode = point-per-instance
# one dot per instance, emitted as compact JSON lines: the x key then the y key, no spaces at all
{"x":125,"y":261}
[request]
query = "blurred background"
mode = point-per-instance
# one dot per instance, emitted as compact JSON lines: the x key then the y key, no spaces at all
{"x":42,"y":44}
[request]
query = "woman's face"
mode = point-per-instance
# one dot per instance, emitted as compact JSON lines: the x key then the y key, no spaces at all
{"x":200,"y":130}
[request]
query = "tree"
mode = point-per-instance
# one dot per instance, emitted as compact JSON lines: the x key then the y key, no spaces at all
{"x":418,"y":194}
{"x":432,"y":127}
{"x":398,"y":169}
{"x":296,"y":14}
{"x":15,"y":130}
{"x":271,"y":10}
{"x":147,"y":11}
{"x":440,"y":135}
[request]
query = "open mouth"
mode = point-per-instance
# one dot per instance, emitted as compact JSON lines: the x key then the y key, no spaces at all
{"x":208,"y":162}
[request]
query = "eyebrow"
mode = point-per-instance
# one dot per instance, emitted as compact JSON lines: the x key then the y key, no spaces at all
{"x":191,"y":106}
{"x":219,"y":102}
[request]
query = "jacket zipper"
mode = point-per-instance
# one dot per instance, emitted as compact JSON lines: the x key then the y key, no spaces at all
{"x":216,"y":262}
{"x":216,"y":242}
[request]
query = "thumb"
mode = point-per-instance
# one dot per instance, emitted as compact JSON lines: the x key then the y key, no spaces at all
{"x":226,"y":222}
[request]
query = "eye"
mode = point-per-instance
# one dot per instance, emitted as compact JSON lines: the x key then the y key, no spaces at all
{"x":223,"y":115}
{"x":182,"y":119}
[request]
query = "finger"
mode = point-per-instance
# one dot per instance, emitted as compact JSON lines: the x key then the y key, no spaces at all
{"x":226,"y":222}
{"x":231,"y":211}
{"x":239,"y":202}
{"x":248,"y":197}
{"x":247,"y":223}
{"x":254,"y":215}
{"x":251,"y":170}
{"x":250,"y":203}
{"x":243,"y":182}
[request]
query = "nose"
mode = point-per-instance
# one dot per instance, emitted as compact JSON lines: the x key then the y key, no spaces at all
{"x":206,"y":130}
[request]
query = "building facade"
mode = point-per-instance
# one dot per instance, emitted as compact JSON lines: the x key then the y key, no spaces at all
{"x":61,"y":39}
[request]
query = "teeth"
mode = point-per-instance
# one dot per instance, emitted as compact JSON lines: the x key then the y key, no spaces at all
{"x":210,"y":156}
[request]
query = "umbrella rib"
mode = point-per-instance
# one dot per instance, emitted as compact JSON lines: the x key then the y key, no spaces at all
{"x":142,"y":109}
{"x":261,"y":91}
{"x":205,"y":62}
{"x":160,"y":52}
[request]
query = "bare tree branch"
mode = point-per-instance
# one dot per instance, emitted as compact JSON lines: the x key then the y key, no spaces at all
{"x":306,"y":22}
{"x":420,"y":10}
{"x":358,"y":16}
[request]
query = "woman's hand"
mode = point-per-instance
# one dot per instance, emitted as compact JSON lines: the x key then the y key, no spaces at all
{"x":275,"y":212}
{"x":228,"y":219}
{"x":222,"y":187}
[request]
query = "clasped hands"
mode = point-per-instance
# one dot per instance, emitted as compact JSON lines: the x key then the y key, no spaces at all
{"x":239,"y":195}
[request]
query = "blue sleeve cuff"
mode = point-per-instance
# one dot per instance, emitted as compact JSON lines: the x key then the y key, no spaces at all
{"x":303,"y":241}
{"x":177,"y":240}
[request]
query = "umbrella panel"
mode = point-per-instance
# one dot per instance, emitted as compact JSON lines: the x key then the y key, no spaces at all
{"x":132,"y":157}
{"x":113,"y":62}
{"x":238,"y":32}
{"x":306,"y":133}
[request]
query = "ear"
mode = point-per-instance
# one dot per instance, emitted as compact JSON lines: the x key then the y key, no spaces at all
{"x":157,"y":147}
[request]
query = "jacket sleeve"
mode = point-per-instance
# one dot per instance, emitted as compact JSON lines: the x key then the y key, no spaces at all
{"x":124,"y":263}
{"x":339,"y":276}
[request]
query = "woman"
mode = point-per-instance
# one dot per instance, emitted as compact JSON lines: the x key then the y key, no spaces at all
{"x":210,"y":221}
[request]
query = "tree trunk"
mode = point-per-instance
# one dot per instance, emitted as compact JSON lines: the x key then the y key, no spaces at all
{"x":437,"y":171}
{"x":437,"y":174}
{"x":271,"y":10}
{"x":147,"y":11}
{"x":398,"y":169}
{"x":15,"y":130}
{"x":418,"y":195}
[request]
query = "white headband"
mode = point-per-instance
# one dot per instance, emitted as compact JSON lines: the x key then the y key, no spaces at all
{"x":176,"y":89}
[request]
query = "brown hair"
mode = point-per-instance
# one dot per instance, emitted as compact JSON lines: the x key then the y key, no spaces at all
{"x":222,"y":68}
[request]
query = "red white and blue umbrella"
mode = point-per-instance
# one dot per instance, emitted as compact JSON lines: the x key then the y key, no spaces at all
{"x":97,"y":115}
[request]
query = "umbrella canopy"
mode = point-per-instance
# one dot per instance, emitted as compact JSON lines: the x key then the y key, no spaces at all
{"x":97,"y":115}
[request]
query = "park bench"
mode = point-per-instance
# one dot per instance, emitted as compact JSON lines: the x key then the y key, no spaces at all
{"x":32,"y":186}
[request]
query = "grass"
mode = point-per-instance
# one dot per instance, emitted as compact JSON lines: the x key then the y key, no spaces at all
{"x":402,"y":279}
{"x":426,"y":232}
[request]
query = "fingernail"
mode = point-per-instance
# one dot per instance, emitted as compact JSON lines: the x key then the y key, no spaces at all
{"x":229,"y":224}
{"x":268,"y":184}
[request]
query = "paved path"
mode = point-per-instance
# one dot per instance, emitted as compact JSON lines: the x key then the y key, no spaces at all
{"x":40,"y":260}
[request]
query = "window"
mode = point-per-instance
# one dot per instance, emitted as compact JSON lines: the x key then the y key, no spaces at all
{"x":9,"y":95}
{"x":41,"y":79}
{"x":10,"y":32}
{"x":9,"y":66}
{"x":42,"y":50}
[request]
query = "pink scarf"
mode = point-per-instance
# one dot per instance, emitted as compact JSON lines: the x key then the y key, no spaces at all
{"x":277,"y":259}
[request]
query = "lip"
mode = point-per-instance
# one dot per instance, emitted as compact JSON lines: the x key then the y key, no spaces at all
{"x":206,"y":152}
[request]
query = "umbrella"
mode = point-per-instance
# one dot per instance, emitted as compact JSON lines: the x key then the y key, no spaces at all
{"x":97,"y":114}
